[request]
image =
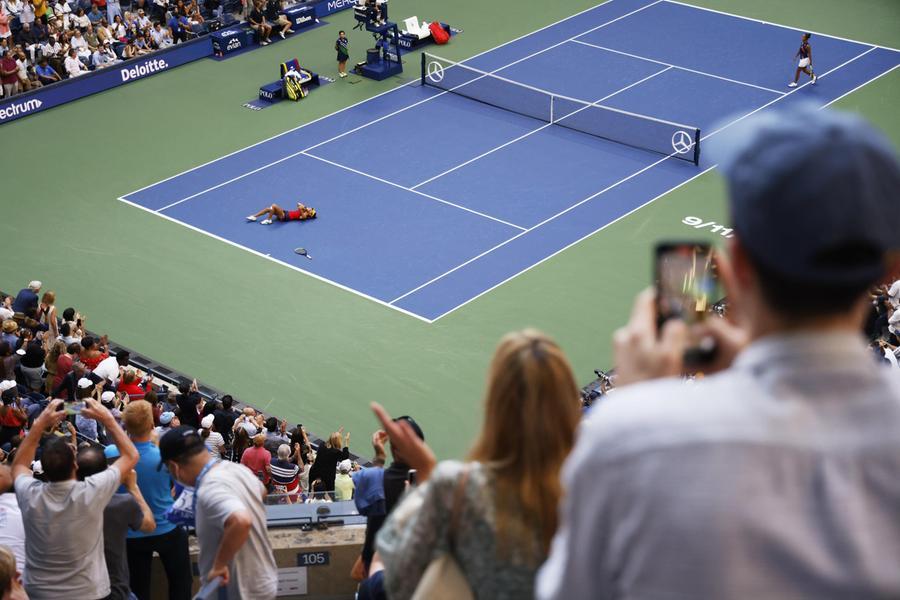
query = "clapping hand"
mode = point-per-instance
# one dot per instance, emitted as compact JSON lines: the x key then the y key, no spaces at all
{"x":415,"y":452}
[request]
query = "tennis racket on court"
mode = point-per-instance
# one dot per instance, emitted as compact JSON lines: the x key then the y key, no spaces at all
{"x":303,"y":252}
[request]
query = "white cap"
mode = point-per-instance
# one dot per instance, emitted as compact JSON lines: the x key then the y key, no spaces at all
{"x":344,"y":466}
{"x":107,"y":396}
{"x":7,"y":384}
{"x":35,"y":285}
{"x":84,"y":383}
{"x":207,"y":422}
{"x":21,"y":351}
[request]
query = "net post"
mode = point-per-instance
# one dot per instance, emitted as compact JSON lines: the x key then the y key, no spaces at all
{"x":423,"y":69}
{"x":697,"y":148}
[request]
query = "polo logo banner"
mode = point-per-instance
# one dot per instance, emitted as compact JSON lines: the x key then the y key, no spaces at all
{"x":152,"y":66}
{"x":20,"y":108}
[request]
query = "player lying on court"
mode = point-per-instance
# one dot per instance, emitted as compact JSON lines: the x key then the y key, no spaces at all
{"x":805,"y":64}
{"x":276,"y":213}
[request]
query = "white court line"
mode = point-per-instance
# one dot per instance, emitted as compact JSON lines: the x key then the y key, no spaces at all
{"x":659,"y":62}
{"x":603,"y":191}
{"x":522,"y":137}
{"x":862,"y":85}
{"x":396,"y":112}
{"x":399,"y":87}
{"x":275,"y":260}
{"x":602,"y":227}
{"x":418,"y":193}
{"x":798,"y":29}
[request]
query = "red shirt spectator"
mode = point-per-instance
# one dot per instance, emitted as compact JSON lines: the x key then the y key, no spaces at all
{"x":92,"y":354}
{"x":257,"y":459}
{"x":63,"y":366}
{"x":9,"y":70}
{"x":130,"y":383}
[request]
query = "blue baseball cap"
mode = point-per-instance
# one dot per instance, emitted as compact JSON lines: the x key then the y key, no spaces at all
{"x":814,"y":194}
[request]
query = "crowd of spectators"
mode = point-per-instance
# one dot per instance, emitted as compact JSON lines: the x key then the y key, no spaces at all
{"x":45,"y":41}
{"x":775,"y":475}
{"x":68,"y":408}
{"x":883,"y":325}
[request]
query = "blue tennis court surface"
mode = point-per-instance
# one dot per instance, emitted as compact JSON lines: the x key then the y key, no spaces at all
{"x":427,"y":199}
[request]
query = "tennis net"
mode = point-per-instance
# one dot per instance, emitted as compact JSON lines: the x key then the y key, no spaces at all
{"x":639,"y":131}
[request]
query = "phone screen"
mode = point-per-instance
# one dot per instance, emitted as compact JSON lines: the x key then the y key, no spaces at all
{"x":686,"y":282}
{"x":411,"y":477}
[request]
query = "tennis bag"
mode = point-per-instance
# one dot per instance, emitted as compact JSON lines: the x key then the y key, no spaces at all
{"x":293,"y":89}
{"x":439,"y":34}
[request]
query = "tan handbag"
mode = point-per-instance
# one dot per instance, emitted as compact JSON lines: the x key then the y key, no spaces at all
{"x":443,"y":579}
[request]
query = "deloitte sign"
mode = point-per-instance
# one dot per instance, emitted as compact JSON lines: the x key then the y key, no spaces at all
{"x":148,"y":68}
{"x":19,"y":109}
{"x":103,"y":79}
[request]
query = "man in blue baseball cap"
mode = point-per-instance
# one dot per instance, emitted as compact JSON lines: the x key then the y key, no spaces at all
{"x":777,"y":475}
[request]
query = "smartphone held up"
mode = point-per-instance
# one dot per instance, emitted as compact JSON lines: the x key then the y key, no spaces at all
{"x":687,"y":286}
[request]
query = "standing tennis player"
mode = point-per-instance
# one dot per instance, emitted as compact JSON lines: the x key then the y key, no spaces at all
{"x":342,"y":46}
{"x":805,"y":64}
{"x":276,"y":213}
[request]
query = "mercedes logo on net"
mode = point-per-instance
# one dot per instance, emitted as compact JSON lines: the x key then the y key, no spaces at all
{"x":435,"y":71}
{"x":682,"y":142}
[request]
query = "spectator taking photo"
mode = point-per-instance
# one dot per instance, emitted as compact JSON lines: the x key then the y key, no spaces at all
{"x":762,"y":480}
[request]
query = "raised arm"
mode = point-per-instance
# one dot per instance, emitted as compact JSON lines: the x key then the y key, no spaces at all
{"x":50,"y":417}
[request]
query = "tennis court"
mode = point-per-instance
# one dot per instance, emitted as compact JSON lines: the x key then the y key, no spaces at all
{"x":431,"y":195}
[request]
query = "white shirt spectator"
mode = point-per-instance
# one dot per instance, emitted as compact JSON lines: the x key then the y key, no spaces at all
{"x":143,"y":22}
{"x":13,"y":7}
{"x":12,"y":530}
{"x":6,"y":313}
{"x":80,"y":45}
{"x":64,"y":535}
{"x":81,"y":22}
{"x":49,"y":48}
{"x":729,"y":488}
{"x":109,"y":367}
{"x":894,"y":294}
{"x":166,"y":39}
{"x":214,"y":443}
{"x":226,"y":489}
{"x":27,"y":14}
{"x":894,"y":322}
{"x":74,"y":67}
{"x":62,"y":10}
{"x":22,"y":66}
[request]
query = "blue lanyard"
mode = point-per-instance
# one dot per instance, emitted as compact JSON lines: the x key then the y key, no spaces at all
{"x":209,"y":465}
